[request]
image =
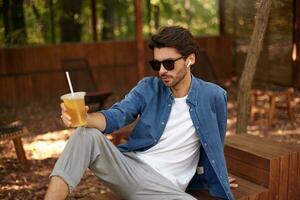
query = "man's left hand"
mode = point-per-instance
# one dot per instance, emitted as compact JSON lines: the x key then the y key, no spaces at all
{"x":232,"y":182}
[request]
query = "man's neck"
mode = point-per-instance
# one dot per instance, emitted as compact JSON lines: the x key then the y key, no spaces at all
{"x":182,"y":88}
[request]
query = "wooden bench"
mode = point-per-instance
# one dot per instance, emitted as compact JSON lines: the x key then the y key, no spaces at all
{"x":14,"y":131}
{"x":264,"y":170}
{"x":245,"y":191}
{"x":270,"y":164}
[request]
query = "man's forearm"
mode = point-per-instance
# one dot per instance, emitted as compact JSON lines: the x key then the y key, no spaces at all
{"x":96,"y":120}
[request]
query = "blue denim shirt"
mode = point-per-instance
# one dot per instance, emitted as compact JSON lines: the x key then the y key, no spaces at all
{"x":151,"y":100}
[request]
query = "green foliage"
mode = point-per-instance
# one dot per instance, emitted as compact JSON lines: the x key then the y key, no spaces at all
{"x":36,"y":22}
{"x":240,"y":18}
{"x":200,"y":16}
{"x":13,"y":20}
{"x":86,"y":18}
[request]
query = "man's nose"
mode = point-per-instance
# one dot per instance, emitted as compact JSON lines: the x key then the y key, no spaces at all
{"x":162,"y":69}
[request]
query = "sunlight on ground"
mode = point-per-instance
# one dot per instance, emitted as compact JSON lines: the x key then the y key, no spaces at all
{"x":16,"y":187}
{"x":231,"y":121}
{"x":228,"y":133}
{"x":46,"y":145}
{"x":230,"y":105}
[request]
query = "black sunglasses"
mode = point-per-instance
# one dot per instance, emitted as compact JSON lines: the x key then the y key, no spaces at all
{"x":168,"y":64}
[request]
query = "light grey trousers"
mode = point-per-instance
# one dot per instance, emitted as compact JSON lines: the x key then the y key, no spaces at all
{"x":124,"y":173}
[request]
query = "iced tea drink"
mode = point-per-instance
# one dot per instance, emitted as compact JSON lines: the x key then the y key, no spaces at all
{"x":75,"y":108}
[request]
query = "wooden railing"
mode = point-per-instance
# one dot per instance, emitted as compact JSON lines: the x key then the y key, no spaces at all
{"x":35,"y":73}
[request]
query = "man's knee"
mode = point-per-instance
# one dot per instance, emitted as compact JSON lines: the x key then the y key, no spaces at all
{"x":87,"y":135}
{"x":82,"y":131}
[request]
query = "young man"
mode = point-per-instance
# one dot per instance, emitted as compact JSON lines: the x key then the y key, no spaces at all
{"x":177,"y":143}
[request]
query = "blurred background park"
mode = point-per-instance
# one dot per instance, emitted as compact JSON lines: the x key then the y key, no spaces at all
{"x":103,"y":43}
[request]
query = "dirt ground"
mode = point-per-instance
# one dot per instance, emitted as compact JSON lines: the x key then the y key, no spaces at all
{"x":48,"y":136}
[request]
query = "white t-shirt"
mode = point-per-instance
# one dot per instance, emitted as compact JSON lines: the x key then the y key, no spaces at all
{"x":176,"y":154}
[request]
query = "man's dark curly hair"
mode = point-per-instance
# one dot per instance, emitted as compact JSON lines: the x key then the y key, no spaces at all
{"x":176,"y":37}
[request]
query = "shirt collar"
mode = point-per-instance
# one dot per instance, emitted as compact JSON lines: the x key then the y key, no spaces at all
{"x":192,"y":94}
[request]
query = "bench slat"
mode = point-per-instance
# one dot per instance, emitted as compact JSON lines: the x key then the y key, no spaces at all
{"x":281,"y":162}
{"x":246,"y":191}
{"x":254,"y":174}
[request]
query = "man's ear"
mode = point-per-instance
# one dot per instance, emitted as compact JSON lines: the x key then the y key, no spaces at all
{"x":189,"y":64}
{"x":191,"y":60}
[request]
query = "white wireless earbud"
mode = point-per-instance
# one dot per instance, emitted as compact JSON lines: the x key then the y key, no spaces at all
{"x":189,"y":64}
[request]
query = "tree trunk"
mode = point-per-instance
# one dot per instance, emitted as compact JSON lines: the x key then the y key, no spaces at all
{"x":296,"y":44}
{"x":51,"y":20}
{"x":69,"y":23}
{"x":108,"y":20}
{"x":14,"y":22}
{"x":221,"y":17}
{"x":156,"y":17}
{"x":187,"y":9}
{"x":139,"y":38}
{"x":6,"y":21}
{"x":245,"y":82}
{"x":149,"y":10}
{"x":94,"y":19}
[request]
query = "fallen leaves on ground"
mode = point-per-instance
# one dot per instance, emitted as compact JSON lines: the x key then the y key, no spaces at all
{"x":47,"y":139}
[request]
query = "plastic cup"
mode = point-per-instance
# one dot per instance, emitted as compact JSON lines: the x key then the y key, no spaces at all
{"x":75,"y":106}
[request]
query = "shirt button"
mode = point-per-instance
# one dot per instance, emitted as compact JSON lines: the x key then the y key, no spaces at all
{"x":169,"y":104}
{"x":197,"y":127}
{"x":162,"y":123}
{"x":155,"y":140}
{"x":213,"y":161}
{"x":205,"y":144}
{"x":191,"y":109}
{"x":221,"y":177}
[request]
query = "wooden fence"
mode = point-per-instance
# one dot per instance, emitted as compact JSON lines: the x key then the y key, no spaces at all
{"x":35,"y":73}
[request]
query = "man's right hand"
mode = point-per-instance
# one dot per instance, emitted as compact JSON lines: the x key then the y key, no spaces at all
{"x":94,"y":120}
{"x":66,"y":118}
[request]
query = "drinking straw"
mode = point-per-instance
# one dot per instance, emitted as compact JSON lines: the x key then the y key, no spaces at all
{"x":70,"y":84}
